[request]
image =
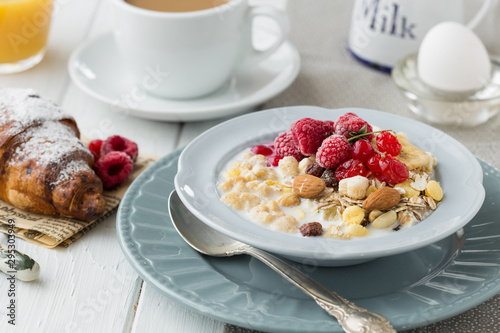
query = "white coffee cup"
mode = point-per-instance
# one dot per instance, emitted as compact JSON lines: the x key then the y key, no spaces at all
{"x":184,"y":55}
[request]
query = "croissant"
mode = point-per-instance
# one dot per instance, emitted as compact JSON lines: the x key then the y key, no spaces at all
{"x":44,"y":167}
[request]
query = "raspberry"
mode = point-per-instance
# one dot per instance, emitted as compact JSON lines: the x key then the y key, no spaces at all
{"x":118,"y":143}
{"x":285,"y":146}
{"x":362,"y":150}
{"x":347,"y":115}
{"x":339,"y":125}
{"x":113,"y":168}
{"x":330,"y":123}
{"x":308,"y":134}
{"x":388,"y":143}
{"x":95,"y":148}
{"x":333,"y":151}
{"x":350,"y":125}
{"x":351,"y":168}
{"x":262,"y":150}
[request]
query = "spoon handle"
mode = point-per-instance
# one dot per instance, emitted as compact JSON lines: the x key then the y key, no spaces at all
{"x":352,"y":318}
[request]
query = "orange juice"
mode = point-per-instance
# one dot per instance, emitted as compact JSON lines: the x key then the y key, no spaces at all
{"x":24,"y":28}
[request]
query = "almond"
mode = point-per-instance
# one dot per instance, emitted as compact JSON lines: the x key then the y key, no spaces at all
{"x":382,"y":199}
{"x":308,"y":186}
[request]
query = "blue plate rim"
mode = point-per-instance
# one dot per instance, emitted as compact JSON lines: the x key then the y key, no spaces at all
{"x":169,"y":290}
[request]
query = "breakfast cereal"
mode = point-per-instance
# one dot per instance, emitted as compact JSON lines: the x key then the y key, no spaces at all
{"x":330,"y":179}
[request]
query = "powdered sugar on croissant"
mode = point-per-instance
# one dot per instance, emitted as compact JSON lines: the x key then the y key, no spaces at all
{"x":44,"y":167}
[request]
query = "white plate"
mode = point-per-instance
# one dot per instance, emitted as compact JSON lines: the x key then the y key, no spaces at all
{"x":96,"y":68}
{"x":200,"y":164}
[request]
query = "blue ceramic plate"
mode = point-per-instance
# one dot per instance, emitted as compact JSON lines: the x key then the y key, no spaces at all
{"x":412,"y":289}
{"x":201,"y":162}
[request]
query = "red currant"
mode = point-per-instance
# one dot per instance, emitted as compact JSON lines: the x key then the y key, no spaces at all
{"x":380,"y":176}
{"x":273,"y":160}
{"x":262,"y":150}
{"x":388,"y":143}
{"x":362,"y":150}
{"x":388,"y":169}
{"x":373,"y":163}
{"x":351,"y":168}
{"x":395,"y":170}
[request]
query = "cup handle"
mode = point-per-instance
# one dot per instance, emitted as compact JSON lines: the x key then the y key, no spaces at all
{"x":254,"y":56}
{"x":485,"y":7}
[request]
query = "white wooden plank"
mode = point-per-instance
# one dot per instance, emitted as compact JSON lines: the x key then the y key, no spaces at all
{"x":158,"y":314}
{"x":99,"y":120}
{"x":53,"y":299}
{"x":88,"y":287}
{"x":82,"y":288}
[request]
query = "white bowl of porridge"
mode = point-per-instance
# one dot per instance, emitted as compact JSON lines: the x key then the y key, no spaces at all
{"x":324,"y":198}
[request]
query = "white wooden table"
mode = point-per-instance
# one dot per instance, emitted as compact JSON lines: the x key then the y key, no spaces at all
{"x":90,"y":286}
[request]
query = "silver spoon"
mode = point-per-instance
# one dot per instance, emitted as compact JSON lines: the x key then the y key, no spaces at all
{"x":211,"y":242}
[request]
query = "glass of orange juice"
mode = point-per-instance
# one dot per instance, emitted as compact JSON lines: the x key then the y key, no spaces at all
{"x":24,"y":29}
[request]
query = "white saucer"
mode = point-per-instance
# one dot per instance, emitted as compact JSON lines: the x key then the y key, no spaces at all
{"x":97,"y":69}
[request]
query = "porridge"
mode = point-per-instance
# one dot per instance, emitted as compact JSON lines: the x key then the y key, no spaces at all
{"x":336,"y":179}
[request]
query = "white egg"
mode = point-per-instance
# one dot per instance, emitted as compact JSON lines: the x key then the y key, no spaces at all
{"x":452,"y":58}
